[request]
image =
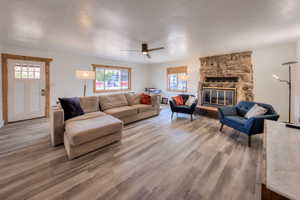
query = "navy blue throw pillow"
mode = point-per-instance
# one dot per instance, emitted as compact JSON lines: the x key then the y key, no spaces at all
{"x":71,"y":107}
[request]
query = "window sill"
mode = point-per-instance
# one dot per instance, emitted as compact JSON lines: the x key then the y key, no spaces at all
{"x":176,"y":90}
{"x":107,"y":91}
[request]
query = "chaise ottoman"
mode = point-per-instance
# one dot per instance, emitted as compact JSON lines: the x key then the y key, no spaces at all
{"x":87,"y":133}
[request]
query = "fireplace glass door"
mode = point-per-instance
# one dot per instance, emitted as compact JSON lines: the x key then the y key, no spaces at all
{"x":229,"y":98}
{"x":218,"y":96}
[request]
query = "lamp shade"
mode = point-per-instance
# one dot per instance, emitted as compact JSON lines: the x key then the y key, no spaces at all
{"x":85,"y":75}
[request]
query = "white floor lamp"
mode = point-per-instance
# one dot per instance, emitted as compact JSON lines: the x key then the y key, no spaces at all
{"x":85,"y":75}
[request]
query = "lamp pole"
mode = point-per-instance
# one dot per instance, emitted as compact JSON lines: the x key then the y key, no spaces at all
{"x":84,"y":88}
{"x":289,"y":82}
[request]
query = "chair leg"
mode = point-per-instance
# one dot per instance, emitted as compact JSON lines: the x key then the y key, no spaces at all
{"x":191,"y":117}
{"x":172,"y":115}
{"x":221,"y":128}
{"x":249,"y":140}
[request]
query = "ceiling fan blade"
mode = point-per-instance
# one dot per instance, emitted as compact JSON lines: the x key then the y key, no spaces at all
{"x":131,"y":50}
{"x":148,"y":55}
{"x":156,"y":49}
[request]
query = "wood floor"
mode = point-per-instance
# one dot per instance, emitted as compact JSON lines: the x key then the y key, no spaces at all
{"x":157,"y":159}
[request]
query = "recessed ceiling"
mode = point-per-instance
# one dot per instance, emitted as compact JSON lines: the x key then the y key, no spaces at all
{"x":185,"y":27}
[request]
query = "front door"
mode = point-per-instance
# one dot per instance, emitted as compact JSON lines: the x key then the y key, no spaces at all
{"x":26,"y":90}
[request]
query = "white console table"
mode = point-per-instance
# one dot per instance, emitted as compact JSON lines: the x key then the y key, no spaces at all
{"x":281,"y":163}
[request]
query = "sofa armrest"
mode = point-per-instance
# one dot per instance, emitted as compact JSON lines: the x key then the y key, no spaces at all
{"x":57,"y":126}
{"x":269,"y":117}
{"x":256,"y":124}
{"x":193,"y":106}
{"x":227,"y":111}
{"x":155,"y":101}
{"x":172,"y":105}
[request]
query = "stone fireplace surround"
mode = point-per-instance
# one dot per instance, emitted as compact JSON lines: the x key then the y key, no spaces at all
{"x":228,"y":71}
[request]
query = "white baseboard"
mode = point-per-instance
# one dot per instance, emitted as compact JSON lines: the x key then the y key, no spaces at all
{"x":1,"y":123}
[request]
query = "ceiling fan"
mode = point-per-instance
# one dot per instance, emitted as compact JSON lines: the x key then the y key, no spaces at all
{"x":146,"y":51}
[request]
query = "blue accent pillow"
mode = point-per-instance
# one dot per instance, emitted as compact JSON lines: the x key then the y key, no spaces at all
{"x":71,"y":107}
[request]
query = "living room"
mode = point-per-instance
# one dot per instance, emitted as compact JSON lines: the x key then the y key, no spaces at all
{"x":124,"y":141}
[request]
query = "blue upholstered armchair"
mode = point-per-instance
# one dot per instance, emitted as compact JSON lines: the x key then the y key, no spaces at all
{"x":233,"y":116}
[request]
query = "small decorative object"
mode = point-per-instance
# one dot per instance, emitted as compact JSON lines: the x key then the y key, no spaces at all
{"x":164,"y":100}
{"x":289,"y":82}
{"x":85,"y":75}
{"x":153,"y":90}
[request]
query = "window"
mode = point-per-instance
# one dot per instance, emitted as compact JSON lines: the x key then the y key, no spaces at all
{"x":177,"y":79}
{"x":110,"y":78}
{"x":24,"y":71}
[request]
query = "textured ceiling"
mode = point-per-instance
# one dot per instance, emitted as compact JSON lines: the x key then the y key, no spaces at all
{"x":185,"y":27}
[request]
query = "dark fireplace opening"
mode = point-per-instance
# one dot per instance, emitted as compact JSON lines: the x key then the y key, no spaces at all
{"x":218,"y":96}
{"x":221,"y":79}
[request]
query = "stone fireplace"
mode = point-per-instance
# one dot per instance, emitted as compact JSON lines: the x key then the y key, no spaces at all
{"x":226,"y":79}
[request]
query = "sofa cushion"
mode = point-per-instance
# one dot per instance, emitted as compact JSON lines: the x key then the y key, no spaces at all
{"x":185,"y":97}
{"x":89,"y":104}
{"x":71,"y":107}
{"x":240,"y":121}
{"x":123,"y":111}
{"x":178,"y":100}
{"x":85,"y":130}
{"x":87,"y":116}
{"x":112,"y":101}
{"x":190,"y":101}
{"x":133,"y":98}
{"x":256,"y":110}
{"x":143,"y":107}
{"x":145,"y":99}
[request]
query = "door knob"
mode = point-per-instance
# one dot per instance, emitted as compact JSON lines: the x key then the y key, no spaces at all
{"x":43,"y":92}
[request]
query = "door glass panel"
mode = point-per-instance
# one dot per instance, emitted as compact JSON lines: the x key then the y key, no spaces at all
{"x":31,"y":74}
{"x":26,"y":72}
{"x":37,"y":75}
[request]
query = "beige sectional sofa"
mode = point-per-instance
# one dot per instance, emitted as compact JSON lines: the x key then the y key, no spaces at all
{"x":102,"y":122}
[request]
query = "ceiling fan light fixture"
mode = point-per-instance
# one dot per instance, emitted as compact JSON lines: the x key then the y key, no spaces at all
{"x":145,"y":51}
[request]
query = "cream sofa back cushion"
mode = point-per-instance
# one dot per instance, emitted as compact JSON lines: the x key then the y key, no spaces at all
{"x":89,"y":104}
{"x":133,"y":98}
{"x":112,"y":101}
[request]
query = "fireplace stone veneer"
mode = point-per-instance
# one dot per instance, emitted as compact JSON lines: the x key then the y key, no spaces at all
{"x":228,"y":71}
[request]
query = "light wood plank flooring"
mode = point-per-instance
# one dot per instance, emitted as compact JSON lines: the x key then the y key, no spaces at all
{"x":157,"y":159}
